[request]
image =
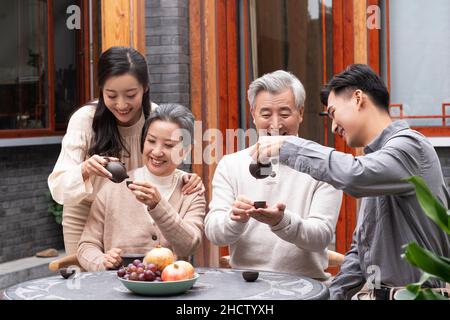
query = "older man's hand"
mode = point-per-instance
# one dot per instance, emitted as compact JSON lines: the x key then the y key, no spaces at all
{"x":270,"y":216}
{"x":267,"y":147}
{"x":238,"y":211}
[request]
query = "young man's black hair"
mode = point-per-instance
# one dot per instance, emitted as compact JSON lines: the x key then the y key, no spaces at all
{"x":358,"y":76}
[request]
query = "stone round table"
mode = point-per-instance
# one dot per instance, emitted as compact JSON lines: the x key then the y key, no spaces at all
{"x":213,"y":284}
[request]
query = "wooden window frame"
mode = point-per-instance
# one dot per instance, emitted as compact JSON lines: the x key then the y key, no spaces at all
{"x":84,"y":84}
{"x":429,"y":131}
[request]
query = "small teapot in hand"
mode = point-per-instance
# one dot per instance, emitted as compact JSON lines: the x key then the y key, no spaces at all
{"x":118,"y":171}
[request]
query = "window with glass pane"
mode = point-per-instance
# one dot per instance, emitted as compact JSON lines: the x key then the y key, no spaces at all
{"x":418,"y":58}
{"x":66,"y":73}
{"x":23,"y":64}
{"x":295,"y":36}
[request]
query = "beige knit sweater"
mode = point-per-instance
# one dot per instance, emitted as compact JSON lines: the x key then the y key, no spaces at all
{"x":118,"y":220}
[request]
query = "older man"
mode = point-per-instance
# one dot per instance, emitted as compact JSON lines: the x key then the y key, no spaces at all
{"x":292,"y":233}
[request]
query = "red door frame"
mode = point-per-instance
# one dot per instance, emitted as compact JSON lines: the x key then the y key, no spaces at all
{"x":228,"y":71}
{"x":343,"y":55}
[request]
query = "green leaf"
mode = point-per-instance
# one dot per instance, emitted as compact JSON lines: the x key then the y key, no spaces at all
{"x":428,"y":261}
{"x":54,"y":208}
{"x":430,"y":204}
{"x":428,"y":294}
{"x":415,"y":287}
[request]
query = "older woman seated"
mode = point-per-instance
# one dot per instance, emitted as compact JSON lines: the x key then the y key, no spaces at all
{"x":152,"y":210}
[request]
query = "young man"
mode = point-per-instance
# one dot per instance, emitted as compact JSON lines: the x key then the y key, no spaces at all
{"x":390,"y":215}
{"x":291,"y":235}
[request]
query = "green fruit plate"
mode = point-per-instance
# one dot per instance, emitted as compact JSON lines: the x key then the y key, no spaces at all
{"x":159,"y":288}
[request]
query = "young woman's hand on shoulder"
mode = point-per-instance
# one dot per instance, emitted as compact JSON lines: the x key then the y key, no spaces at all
{"x":192,"y":183}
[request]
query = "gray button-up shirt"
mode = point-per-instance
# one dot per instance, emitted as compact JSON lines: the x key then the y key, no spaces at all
{"x":390,"y":215}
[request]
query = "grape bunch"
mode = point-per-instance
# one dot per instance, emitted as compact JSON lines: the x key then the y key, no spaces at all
{"x":138,"y":271}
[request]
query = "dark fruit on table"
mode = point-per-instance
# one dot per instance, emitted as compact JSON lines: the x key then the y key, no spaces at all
{"x":65,"y":273}
{"x":250,"y":276}
{"x":134,"y":276}
{"x":121,"y":272}
{"x":152,"y":267}
{"x":137,"y":271}
{"x":140,"y":270}
{"x":149,"y":275}
{"x":141,"y":265}
{"x":137,"y":262}
{"x":133,"y":268}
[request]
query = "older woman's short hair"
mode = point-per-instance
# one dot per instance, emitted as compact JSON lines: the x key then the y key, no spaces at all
{"x":175,"y":113}
{"x":275,"y":83}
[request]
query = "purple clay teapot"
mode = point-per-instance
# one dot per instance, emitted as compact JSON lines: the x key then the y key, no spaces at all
{"x":261,"y":170}
{"x":118,"y":171}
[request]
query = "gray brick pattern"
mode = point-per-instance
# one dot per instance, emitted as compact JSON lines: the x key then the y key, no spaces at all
{"x":167,"y":47}
{"x":25,"y":225}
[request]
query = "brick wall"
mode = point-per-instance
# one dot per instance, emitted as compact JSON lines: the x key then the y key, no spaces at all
{"x":25,"y":225}
{"x":167,"y":48}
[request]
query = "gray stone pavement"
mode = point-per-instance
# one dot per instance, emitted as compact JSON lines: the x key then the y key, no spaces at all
{"x":16,"y":271}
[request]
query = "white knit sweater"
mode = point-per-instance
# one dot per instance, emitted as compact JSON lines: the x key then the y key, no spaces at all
{"x":298,"y":243}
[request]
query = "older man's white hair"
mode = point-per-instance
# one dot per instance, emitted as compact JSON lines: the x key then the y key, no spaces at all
{"x":275,"y":83}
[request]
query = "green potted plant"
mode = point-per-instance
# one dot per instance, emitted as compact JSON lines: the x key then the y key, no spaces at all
{"x":54,"y":208}
{"x":432,"y":265}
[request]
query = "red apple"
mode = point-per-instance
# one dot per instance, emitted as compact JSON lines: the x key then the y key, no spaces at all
{"x":187,"y":266}
{"x":176,"y":272}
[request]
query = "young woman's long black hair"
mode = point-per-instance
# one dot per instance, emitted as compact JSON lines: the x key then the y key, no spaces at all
{"x":116,"y":61}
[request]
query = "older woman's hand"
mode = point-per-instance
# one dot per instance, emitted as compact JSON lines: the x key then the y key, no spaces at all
{"x":146,"y":193}
{"x":193,"y":183}
{"x":112,"y":258}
